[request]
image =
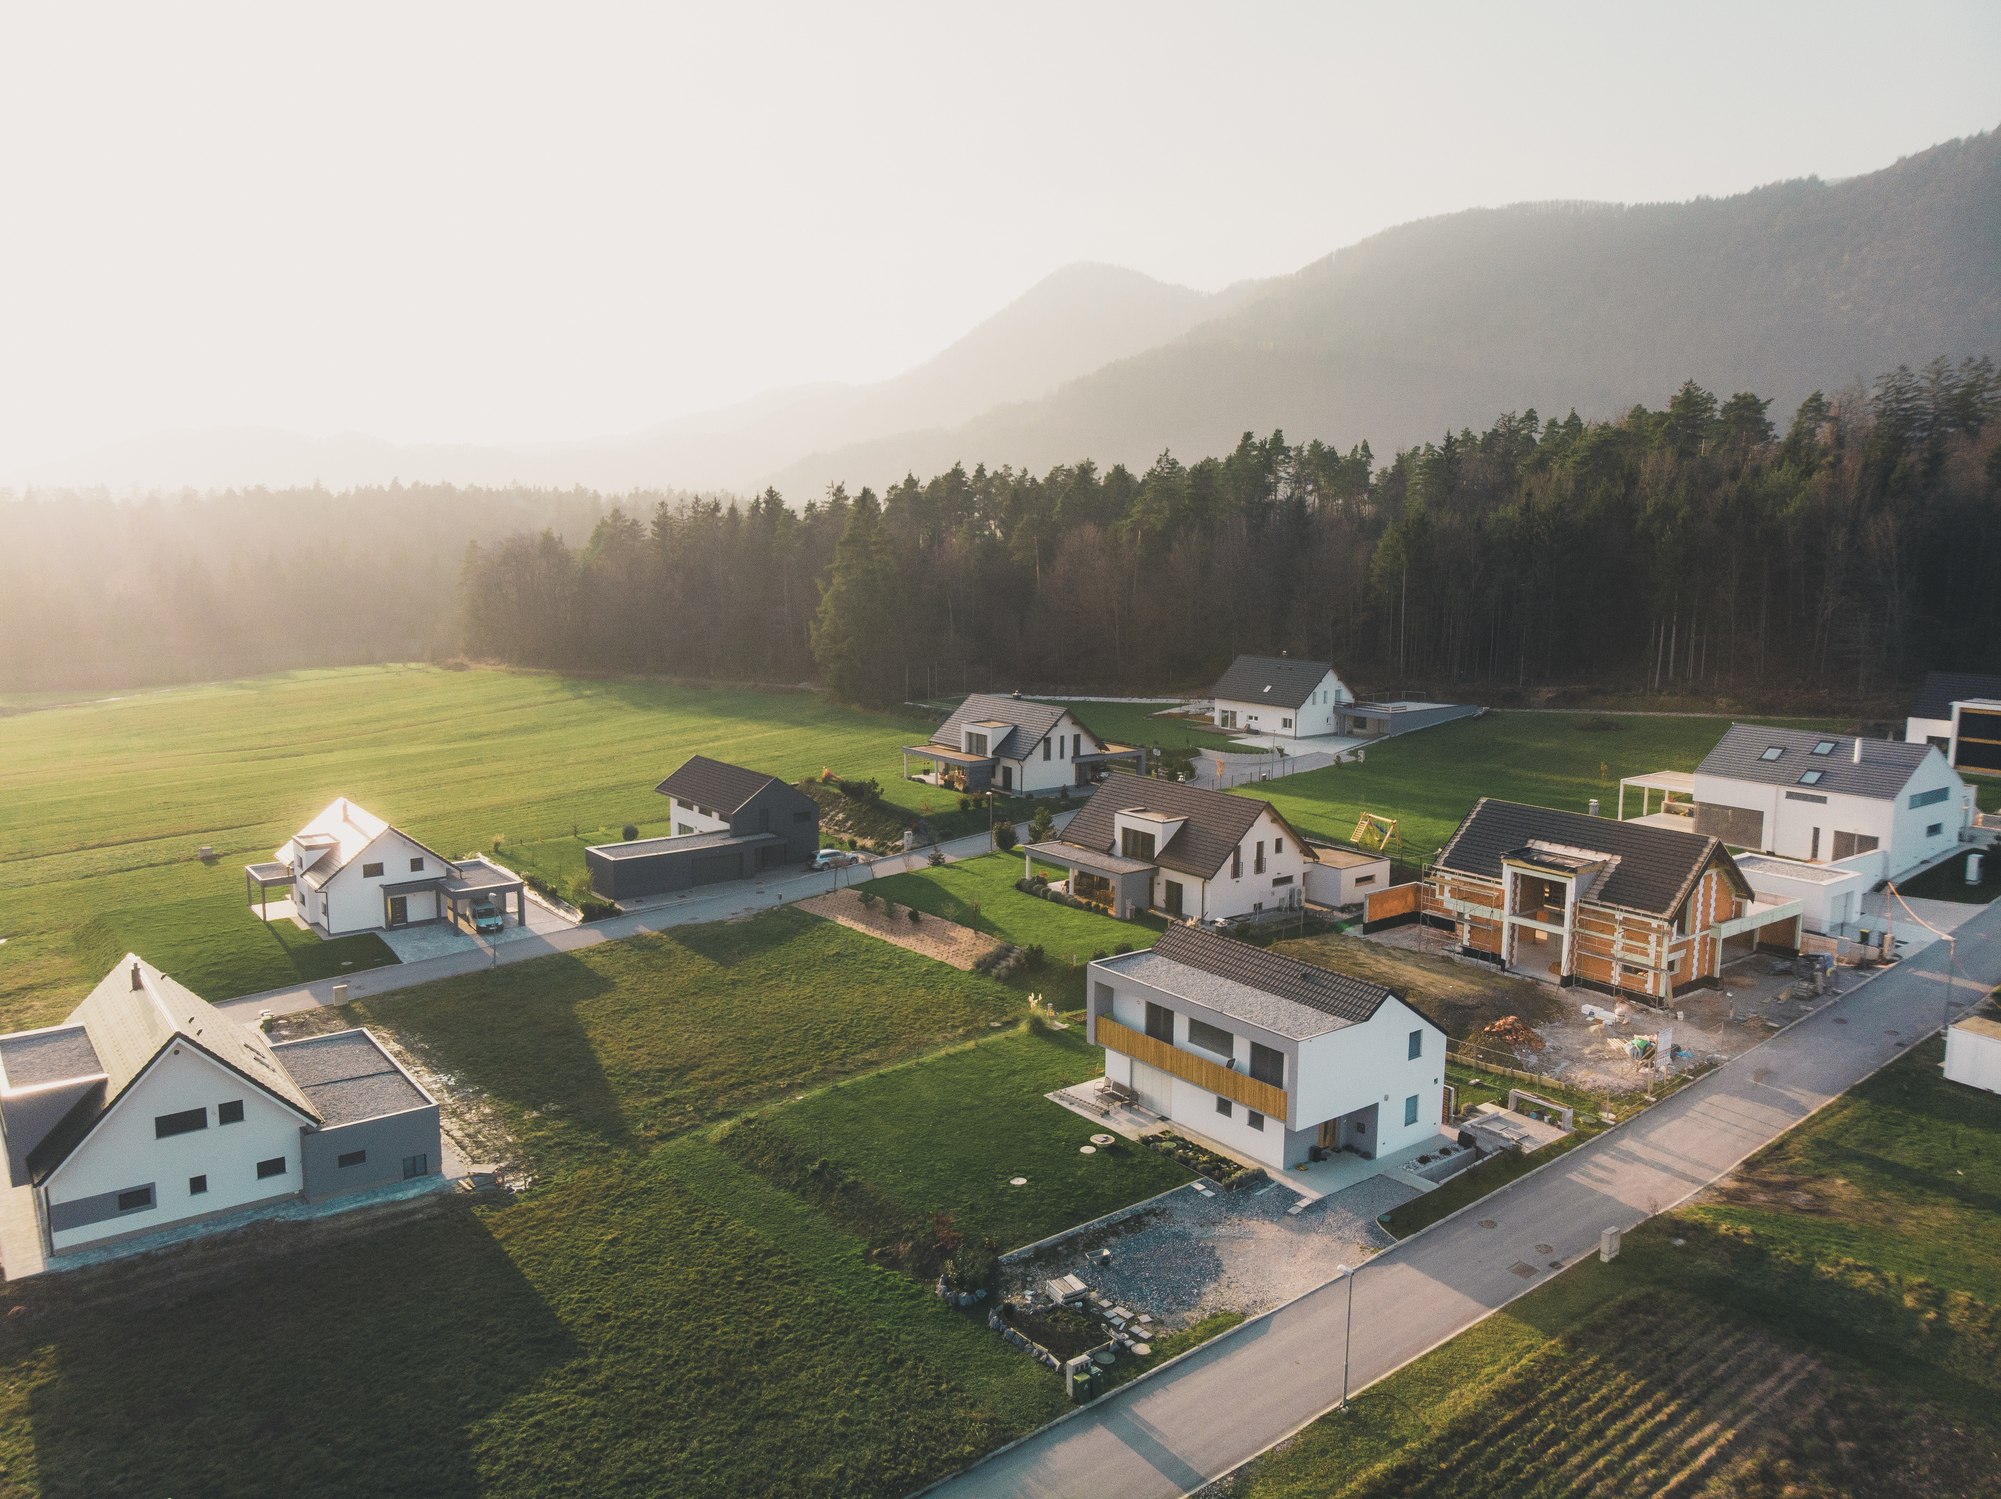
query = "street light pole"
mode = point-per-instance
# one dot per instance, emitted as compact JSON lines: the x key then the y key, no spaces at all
{"x":1348,"y":1337}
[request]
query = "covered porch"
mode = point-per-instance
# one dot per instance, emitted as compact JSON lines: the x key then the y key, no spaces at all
{"x":972,"y":774}
{"x":1124,"y":887}
{"x":1677,"y":808}
{"x":1092,"y":767}
{"x":258,"y":880}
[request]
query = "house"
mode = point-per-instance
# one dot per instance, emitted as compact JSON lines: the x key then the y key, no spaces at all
{"x":1278,"y":695}
{"x":148,"y":1109}
{"x":1271,"y":1057}
{"x":1617,"y":906}
{"x":1959,"y":714}
{"x":1016,"y":746}
{"x":1143,"y":844}
{"x":730,"y":823}
{"x":1343,"y":875}
{"x":349,"y":871}
{"x":1821,"y":797}
{"x":1829,"y":895}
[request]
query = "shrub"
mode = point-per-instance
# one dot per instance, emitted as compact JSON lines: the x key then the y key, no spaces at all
{"x":973,"y":914}
{"x":915,"y":916}
{"x":1098,"y":956}
{"x":1004,"y":838}
{"x":867,"y":898}
{"x":1041,"y":827}
{"x":1121,"y":949}
{"x":965,"y":804}
{"x":937,"y":856}
{"x":631,"y":831}
{"x":1035,"y":956}
{"x":888,"y":907}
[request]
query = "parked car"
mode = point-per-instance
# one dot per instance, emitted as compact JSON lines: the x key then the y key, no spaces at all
{"x":833,"y":858}
{"x":485,"y":918}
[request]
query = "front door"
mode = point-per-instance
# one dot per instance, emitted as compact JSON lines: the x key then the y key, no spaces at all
{"x":1174,"y":897}
{"x":1083,"y":774}
{"x":1007,"y":778}
{"x":399,"y":910}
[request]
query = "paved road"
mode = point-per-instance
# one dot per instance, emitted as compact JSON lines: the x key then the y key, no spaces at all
{"x":1172,"y":1433}
{"x":735,"y":899}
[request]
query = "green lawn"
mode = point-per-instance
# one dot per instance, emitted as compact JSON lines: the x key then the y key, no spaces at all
{"x":1064,"y":932}
{"x":949,"y":1132}
{"x":1948,"y":882}
{"x":103,"y":805}
{"x":619,"y":1046}
{"x":1430,"y":780}
{"x":219,"y":946}
{"x":1855,"y":1263}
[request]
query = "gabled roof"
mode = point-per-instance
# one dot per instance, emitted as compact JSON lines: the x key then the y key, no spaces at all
{"x":1944,"y":688}
{"x":1648,"y":870}
{"x":1277,"y":680}
{"x":346,"y":830}
{"x":714,"y":784}
{"x":1347,"y":999}
{"x":1029,"y":723}
{"x":129,"y":1027}
{"x":1886,"y":764}
{"x":1215,"y":822}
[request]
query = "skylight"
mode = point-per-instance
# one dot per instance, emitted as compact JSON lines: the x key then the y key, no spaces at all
{"x":1811,"y":778}
{"x":1825,"y":747}
{"x":1772,"y":752}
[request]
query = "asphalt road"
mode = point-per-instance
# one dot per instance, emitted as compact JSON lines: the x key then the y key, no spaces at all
{"x":1199,"y":1418}
{"x":738,"y":898}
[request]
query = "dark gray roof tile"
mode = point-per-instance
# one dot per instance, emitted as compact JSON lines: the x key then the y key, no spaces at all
{"x":1886,"y":764}
{"x":1321,"y":989}
{"x":1216,"y":822}
{"x":349,"y":1077}
{"x":1029,"y":723}
{"x":1278,"y":680}
{"x":1656,"y":866}
{"x":715,"y":784}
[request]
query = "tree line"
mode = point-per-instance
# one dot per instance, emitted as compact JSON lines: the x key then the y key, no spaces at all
{"x":1692,"y":548}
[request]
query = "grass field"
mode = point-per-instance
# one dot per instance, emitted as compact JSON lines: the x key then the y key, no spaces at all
{"x":948,"y":1133}
{"x":218,"y":951}
{"x":1827,"y":1325}
{"x":1064,"y":932}
{"x":1429,"y":780}
{"x":1948,"y":882}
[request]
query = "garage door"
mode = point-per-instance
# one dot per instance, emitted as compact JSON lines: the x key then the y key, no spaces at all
{"x":717,"y":867}
{"x":1154,"y":1087}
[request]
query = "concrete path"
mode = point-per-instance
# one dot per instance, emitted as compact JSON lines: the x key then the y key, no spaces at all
{"x":738,"y":898}
{"x":1171,"y":1433}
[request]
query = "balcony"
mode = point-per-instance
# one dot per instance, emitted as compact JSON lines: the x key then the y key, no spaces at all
{"x":1217,"y":1078}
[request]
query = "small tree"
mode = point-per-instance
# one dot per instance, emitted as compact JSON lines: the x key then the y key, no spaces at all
{"x":1041,"y":827}
{"x":937,"y":856}
{"x":867,"y":898}
{"x":915,"y":916}
{"x":631,"y":831}
{"x":1004,"y":838}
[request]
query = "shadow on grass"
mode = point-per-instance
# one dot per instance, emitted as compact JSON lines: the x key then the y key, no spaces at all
{"x":362,"y":1367}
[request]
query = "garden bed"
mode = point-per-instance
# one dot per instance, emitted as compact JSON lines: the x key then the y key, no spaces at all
{"x":933,"y":937}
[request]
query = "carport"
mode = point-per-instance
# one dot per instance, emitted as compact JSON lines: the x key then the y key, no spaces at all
{"x":478,"y":880}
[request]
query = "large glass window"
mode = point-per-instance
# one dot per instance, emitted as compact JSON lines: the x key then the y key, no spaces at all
{"x":1267,"y":1064}
{"x":1211,"y":1038}
{"x":179,"y":1124}
{"x":1160,"y":1022}
{"x":1134,"y":844}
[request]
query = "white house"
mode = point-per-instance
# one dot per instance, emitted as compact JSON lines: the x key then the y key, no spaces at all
{"x":1828,"y":797}
{"x":1829,"y":895}
{"x":1959,"y":713}
{"x":349,"y":871}
{"x":1278,"y":695}
{"x":1018,"y":747}
{"x":1143,"y":844}
{"x":1273,"y":1058}
{"x":148,"y":1109}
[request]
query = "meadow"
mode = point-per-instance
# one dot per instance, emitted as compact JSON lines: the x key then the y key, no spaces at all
{"x":1825,"y":1322}
{"x":1065,"y":933}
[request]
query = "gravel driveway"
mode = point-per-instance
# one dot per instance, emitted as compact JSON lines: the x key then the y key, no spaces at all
{"x":1236,"y":1251}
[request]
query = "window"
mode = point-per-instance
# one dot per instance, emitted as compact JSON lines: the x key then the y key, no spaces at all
{"x":1174,"y":897}
{"x":135,"y":1199}
{"x":1259,"y":866}
{"x":1847,"y":845}
{"x":1223,"y":1106}
{"x":1285,"y":723}
{"x":1365,"y":879}
{"x":229,"y":1113}
{"x":1410,"y":1109}
{"x":415,"y":1166}
{"x":1211,"y":1038}
{"x":764,"y":819}
{"x":1254,"y":1119}
{"x":1683,"y":917}
{"x":1810,"y":778}
{"x":1280,"y":879}
{"x":684,"y":803}
{"x":371,"y":871}
{"x":1045,"y":746}
{"x":1805,"y":796}
{"x":1134,"y":844}
{"x":352,"y":1158}
{"x":1416,"y":1045}
{"x":682,"y":829}
{"x":976,"y":744}
{"x":1825,"y":747}
{"x":1267,"y":1064}
{"x":1934,"y":830}
{"x":416,"y":865}
{"x":197,"y":1185}
{"x":1929,"y":798}
{"x":1159,"y":1022}
{"x":1772,"y":752}
{"x":1278,"y":845}
{"x":179,"y":1124}
{"x":1237,"y":863}
{"x":273,"y":1167}
{"x":802,"y":816}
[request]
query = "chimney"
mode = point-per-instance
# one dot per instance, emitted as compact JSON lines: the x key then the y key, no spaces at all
{"x":1594,"y":806}
{"x":1858,"y":749}
{"x":136,"y":984}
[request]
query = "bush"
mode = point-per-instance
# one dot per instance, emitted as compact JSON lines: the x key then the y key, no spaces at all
{"x":631,"y":831}
{"x":1035,"y":956}
{"x":965,"y":804}
{"x":1098,"y":956}
{"x":1122,"y":949}
{"x":1041,"y":827}
{"x":915,"y":916}
{"x":889,"y":907}
{"x":596,"y":910}
{"x":1004,"y":838}
{"x":867,"y":898}
{"x":937,"y":856}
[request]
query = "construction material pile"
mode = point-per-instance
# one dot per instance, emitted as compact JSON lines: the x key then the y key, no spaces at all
{"x":1516,"y":1034}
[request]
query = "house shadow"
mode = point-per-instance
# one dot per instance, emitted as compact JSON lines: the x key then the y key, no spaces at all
{"x":365,"y":1365}
{"x":514,"y":1034}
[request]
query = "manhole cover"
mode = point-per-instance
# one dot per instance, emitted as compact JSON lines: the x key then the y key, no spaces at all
{"x":1545,"y":1249}
{"x":1101,"y":1139}
{"x":1488,"y":1223}
{"x":1523,"y":1269}
{"x":1087,"y":1150}
{"x":1019,"y":1181}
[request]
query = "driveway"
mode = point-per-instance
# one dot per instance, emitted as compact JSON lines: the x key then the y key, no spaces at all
{"x":739,"y":898}
{"x":1177,"y":1430}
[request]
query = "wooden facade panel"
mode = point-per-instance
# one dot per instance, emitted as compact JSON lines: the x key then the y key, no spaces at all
{"x":1247,"y":1091}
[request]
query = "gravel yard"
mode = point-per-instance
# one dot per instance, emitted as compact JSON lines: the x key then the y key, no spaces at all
{"x":1234,"y":1252}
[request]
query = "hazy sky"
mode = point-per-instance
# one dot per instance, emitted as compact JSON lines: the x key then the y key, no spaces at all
{"x":496,"y":224}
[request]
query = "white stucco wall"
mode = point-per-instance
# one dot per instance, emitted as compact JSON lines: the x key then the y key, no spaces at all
{"x":1313,"y":717}
{"x":1973,"y":1059}
{"x":122,"y":1151}
{"x":352,"y":901}
{"x":1239,"y":895}
{"x":1912,"y":845}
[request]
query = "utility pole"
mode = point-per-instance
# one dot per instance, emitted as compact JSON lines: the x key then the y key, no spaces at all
{"x":1348,"y":1337}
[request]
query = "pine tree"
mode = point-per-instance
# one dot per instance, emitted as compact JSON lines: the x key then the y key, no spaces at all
{"x":856,"y":635}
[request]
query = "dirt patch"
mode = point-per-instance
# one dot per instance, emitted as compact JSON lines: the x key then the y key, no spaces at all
{"x":933,"y":937}
{"x":1463,"y":997}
